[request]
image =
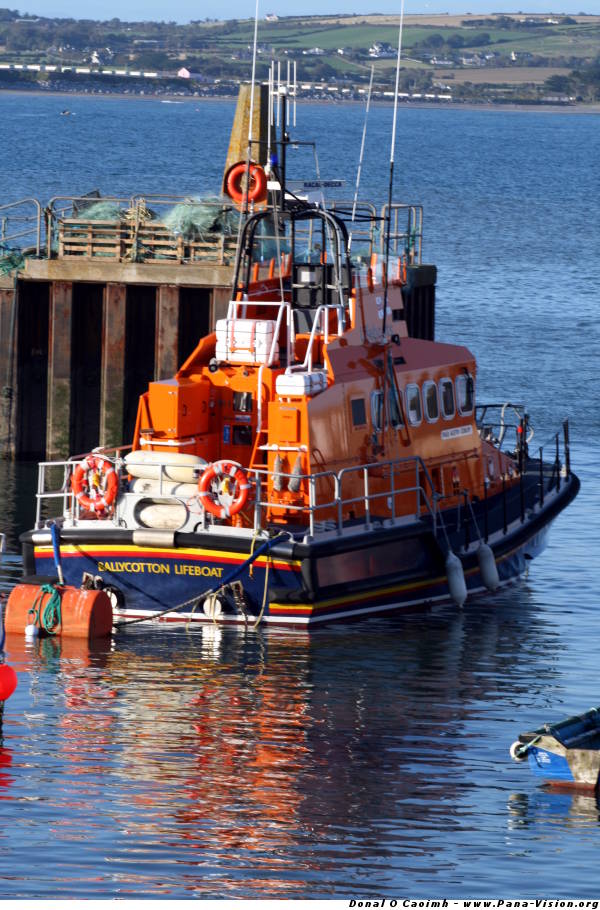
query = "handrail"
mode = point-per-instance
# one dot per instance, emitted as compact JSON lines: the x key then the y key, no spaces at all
{"x":259,"y":476}
{"x":321,"y":315}
{"x":410,"y":238}
{"x":35,"y":219}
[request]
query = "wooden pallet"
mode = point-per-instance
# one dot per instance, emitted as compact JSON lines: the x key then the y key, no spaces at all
{"x":123,"y":241}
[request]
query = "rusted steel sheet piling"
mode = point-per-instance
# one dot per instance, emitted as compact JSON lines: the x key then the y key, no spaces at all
{"x":113,"y":364}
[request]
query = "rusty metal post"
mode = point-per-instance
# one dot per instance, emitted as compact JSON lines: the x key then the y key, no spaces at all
{"x":113,"y":365}
{"x":8,"y":380}
{"x":167,"y":332}
{"x":58,"y":418}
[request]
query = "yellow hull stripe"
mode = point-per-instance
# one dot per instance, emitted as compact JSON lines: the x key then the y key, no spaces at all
{"x":354,"y":598}
{"x":160,"y":552}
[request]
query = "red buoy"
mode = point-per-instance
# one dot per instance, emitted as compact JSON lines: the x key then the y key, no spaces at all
{"x":8,"y":682}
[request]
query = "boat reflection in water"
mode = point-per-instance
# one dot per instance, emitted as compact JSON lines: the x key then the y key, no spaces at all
{"x":216,"y":763}
{"x":544,"y":808}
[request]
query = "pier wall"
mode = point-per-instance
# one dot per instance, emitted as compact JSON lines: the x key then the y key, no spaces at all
{"x":76,"y":355}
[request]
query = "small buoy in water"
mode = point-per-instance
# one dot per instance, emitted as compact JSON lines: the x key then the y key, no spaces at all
{"x":8,"y":682}
{"x":32,"y":631}
{"x":213,"y":608}
{"x":488,"y":568}
{"x":456,"y":579}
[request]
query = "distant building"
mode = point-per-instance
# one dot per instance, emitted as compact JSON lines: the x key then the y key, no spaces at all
{"x":184,"y":73}
{"x":271,"y":17}
{"x":381,"y":50}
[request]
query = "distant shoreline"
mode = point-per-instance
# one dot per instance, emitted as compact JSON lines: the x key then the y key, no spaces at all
{"x":584,"y":108}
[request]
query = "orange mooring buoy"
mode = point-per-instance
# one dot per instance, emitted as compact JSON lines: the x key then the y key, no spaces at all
{"x":77,"y":613}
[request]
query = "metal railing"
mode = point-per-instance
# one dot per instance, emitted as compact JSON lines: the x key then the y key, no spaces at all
{"x":22,"y":221}
{"x":378,"y":482}
{"x":406,"y":239}
{"x":138,"y":232}
{"x":532,"y":491}
{"x":353,"y":499}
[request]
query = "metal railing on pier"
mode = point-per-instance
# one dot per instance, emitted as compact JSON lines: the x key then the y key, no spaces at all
{"x":21,"y":226}
{"x":148,"y":227}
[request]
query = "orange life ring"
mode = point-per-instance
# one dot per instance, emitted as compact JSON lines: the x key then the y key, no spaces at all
{"x":228,"y":470}
{"x":257,"y":183}
{"x":88,"y":493}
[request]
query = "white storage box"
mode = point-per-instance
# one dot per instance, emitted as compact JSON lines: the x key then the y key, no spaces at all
{"x":245,"y":340}
{"x":301,"y":383}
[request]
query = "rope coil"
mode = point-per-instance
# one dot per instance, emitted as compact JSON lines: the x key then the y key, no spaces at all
{"x":47,"y":616}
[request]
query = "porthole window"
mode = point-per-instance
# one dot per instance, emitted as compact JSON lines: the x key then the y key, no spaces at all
{"x":413,"y":404}
{"x":447,"y":398}
{"x":359,"y":413}
{"x":465,"y":393}
{"x":430,"y":401}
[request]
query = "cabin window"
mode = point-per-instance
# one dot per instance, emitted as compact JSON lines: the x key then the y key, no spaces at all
{"x":430,"y":400}
{"x":359,"y":412}
{"x":413,"y":404}
{"x":377,"y":410}
{"x":447,"y":398}
{"x":465,"y":393}
{"x":242,"y":402}
{"x":242,"y":436}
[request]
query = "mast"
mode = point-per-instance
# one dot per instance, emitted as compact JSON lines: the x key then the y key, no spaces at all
{"x":391,"y":178}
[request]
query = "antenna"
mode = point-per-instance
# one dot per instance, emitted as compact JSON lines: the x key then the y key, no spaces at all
{"x":391,"y":183}
{"x":360,"y":157}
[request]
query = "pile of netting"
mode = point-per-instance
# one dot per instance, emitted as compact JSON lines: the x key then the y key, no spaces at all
{"x":200,"y":219}
{"x":10,"y":260}
{"x":103,"y":210}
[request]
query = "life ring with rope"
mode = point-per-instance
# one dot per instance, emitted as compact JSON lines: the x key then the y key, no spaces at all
{"x":257,"y":183}
{"x":95,"y":483}
{"x":227,"y":472}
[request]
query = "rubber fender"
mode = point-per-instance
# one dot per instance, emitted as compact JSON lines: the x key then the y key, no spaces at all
{"x":84,"y":613}
{"x":456,"y":579}
{"x":488,"y":568}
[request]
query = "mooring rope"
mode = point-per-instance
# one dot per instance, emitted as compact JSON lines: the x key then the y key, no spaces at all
{"x":46,"y":616}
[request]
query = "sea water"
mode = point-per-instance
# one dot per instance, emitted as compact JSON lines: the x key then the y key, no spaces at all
{"x":369,"y":759}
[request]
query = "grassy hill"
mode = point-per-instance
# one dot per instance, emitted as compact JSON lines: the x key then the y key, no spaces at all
{"x":438,"y":51}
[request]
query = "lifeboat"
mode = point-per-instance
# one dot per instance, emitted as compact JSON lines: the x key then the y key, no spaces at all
{"x":313,"y":460}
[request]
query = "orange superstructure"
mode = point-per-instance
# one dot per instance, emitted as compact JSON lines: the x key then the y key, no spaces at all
{"x":268,"y":394}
